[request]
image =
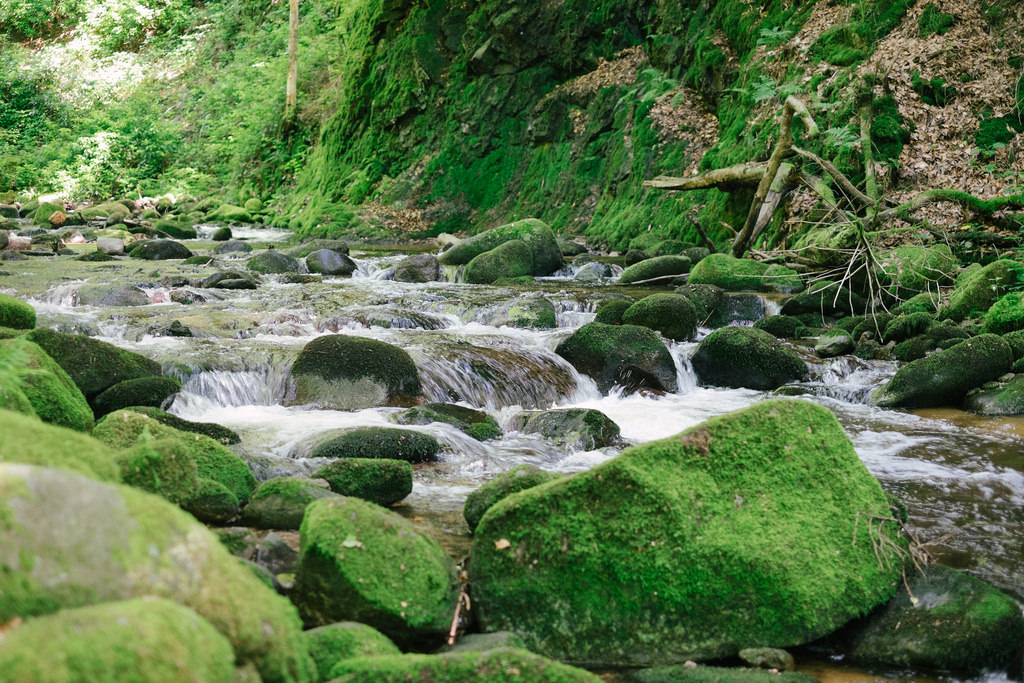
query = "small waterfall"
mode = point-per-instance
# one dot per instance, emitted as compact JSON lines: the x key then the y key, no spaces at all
{"x":64,"y":295}
{"x":850,"y":379}
{"x":686,"y":378}
{"x":265,"y":385}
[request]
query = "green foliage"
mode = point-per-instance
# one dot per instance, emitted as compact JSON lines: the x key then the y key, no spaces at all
{"x":889,"y":130}
{"x":933,"y":91}
{"x":38,"y":18}
{"x":934,"y":21}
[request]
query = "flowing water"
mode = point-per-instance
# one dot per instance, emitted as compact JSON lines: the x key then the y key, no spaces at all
{"x":962,"y":477}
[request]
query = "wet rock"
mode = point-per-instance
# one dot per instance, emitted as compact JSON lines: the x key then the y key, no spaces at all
{"x":414,"y":586}
{"x":222,"y":234}
{"x":611,"y":312}
{"x":8,"y":211}
{"x":546,"y":256}
{"x":945,"y":620}
{"x":307,"y":248}
{"x":781,"y":326}
{"x":144,"y":391}
{"x":626,"y":355}
{"x":173,"y":329}
{"x":768,"y":658}
{"x":229,"y":279}
{"x":570,"y":248}
{"x":333,"y":643}
{"x":725,"y":536}
{"x":28,"y":373}
{"x":1005,"y":399}
{"x":530,"y":311}
{"x":945,"y":378}
{"x":113,"y":295}
{"x":16,"y":314}
{"x":418,"y":268}
{"x":233,"y":247}
{"x":508,"y":260}
{"x":281,"y":503}
{"x":163,"y":467}
{"x":18,"y":243}
{"x":670,"y":314}
{"x":977,"y":289}
{"x":378,"y":480}
{"x":745,"y":357}
{"x":593,"y":271}
{"x":660,"y":269}
{"x":135,"y":544}
{"x":744,"y":275}
{"x":379,"y":442}
{"x":347,"y":373}
{"x":737,"y":308}
{"x":229,"y":213}
{"x":834,"y":343}
{"x":580,"y":428}
{"x":517,"y":479}
{"x":216,"y":432}
{"x":177,"y":230}
{"x":273,"y":261}
{"x":159,"y":250}
{"x":330,"y":262}
{"x":460,"y":666}
{"x":110,"y":245}
{"x":475,"y":423}
{"x":46,"y":445}
{"x":143,"y":639}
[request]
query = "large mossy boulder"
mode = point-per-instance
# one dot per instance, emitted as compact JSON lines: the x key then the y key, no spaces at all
{"x":578,"y":428}
{"x":229,"y":213}
{"x":1005,"y":399}
{"x":32,"y":442}
{"x":347,"y":373}
{"x":16,"y":314}
{"x":943,"y":379}
{"x":494,"y":666}
{"x":827,"y":299}
{"x":164,"y":467}
{"x":379,"y":442}
{"x":744,"y":275}
{"x":69,"y":541}
{"x":475,"y":423}
{"x":705,"y":299}
{"x":626,"y":355}
{"x":744,"y":531}
{"x":530,"y":311}
{"x":281,"y":503}
{"x":53,"y":396}
{"x":176,"y":230}
{"x":159,"y":250}
{"x":517,"y":479}
{"x":144,"y":391}
{"x":273,"y":261}
{"x":977,"y":289}
{"x":746,"y":357}
{"x":547,"y":257}
{"x":944,"y":620}
{"x":661,"y":269}
{"x":111,"y":212}
{"x":217,"y":432}
{"x":912,"y":269}
{"x":379,"y":480}
{"x":510,"y":259}
{"x":360,"y":562}
{"x":670,"y":314}
{"x":332,"y":643}
{"x":1005,"y":315}
{"x":141,"y":640}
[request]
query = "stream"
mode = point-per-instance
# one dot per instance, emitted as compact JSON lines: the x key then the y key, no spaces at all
{"x":961,"y":476}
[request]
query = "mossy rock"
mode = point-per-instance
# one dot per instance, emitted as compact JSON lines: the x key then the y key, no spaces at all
{"x":329,"y":262}
{"x":911,"y":269}
{"x":273,"y":261}
{"x":159,"y":250}
{"x":360,"y":562}
{"x":347,"y":373}
{"x":43,"y":213}
{"x":95,"y":257}
{"x":1006,"y":399}
{"x":123,"y":428}
{"x":943,"y":379}
{"x":418,"y":268}
{"x":233,"y":246}
{"x":657,"y":267}
{"x":484,"y":642}
{"x":222,"y":234}
{"x":976,"y":290}
{"x":533,"y":312}
{"x":178,"y":230}
{"x":113,"y":295}
{"x":163,"y":467}
{"x":229,"y":213}
{"x":380,"y":442}
{"x":253,"y":205}
{"x":475,"y":423}
{"x":626,"y":355}
{"x":547,"y":257}
{"x":517,"y":479}
{"x":781,"y":326}
{"x":925,"y":302}
{"x":508,"y":260}
{"x":745,"y":357}
{"x":16,"y":314}
{"x":904,"y":327}
{"x":953,"y":622}
{"x":912,"y":349}
{"x":135,"y":544}
{"x":494,"y":666}
{"x":611,"y":312}
{"x":29,"y":441}
{"x":281,"y":503}
{"x":378,"y":480}
{"x":744,"y":275}
{"x":705,"y":299}
{"x":213,"y":503}
{"x":580,"y":428}
{"x":1005,"y":315}
{"x":725,"y":536}
{"x":216,"y":432}
{"x":142,"y":640}
{"x":332,"y":643}
{"x":718,"y":674}
{"x":670,"y":314}
{"x":54,"y":398}
{"x":307,"y":248}
{"x":826,"y":298}
{"x":144,"y":391}
{"x":111,"y":212}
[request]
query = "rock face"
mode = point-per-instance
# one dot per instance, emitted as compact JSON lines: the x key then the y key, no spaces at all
{"x":347,"y":373}
{"x":144,"y":639}
{"x":134,"y":544}
{"x":745,"y":357}
{"x":943,"y":379}
{"x":628,"y":355}
{"x":670,"y":314}
{"x":959,"y":623}
{"x":360,"y":562}
{"x":546,"y":256}
{"x":728,"y":535}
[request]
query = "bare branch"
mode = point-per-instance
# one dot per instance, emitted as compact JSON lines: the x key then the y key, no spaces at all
{"x":740,"y":174}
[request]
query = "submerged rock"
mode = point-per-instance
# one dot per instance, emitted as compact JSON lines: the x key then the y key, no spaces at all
{"x":475,"y":423}
{"x":626,"y":355}
{"x":745,"y":357}
{"x":582,"y":428}
{"x":725,"y":536}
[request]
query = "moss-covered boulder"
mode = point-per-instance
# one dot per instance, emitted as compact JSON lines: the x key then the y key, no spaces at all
{"x":726,"y":536}
{"x":546,"y":256}
{"x":626,"y":355}
{"x":740,"y":275}
{"x":660,"y":269}
{"x":508,"y":260}
{"x":360,"y":562}
{"x":176,"y":230}
{"x":517,"y":479}
{"x":945,"y":620}
{"x":111,"y":212}
{"x":332,"y":643}
{"x":164,"y":467}
{"x":144,"y":391}
{"x":328,"y":262}
{"x":1005,"y":315}
{"x":494,"y":666}
{"x":912,"y":269}
{"x":222,"y":234}
{"x":273,"y":261}
{"x":346,"y":373}
{"x":670,"y":314}
{"x":475,"y":423}
{"x":834,"y":343}
{"x":213,"y":503}
{"x":530,"y":311}
{"x":216,"y":432}
{"x":611,"y":312}
{"x":705,"y":299}
{"x":1005,"y":399}
{"x":378,"y":480}
{"x":140,"y":641}
{"x":903,"y":327}
{"x":134,"y":544}
{"x":43,"y":213}
{"x":781,"y":326}
{"x":27,"y":440}
{"x":825,"y":298}
{"x":253,"y":205}
{"x":229,"y":213}
{"x":53,"y":396}
{"x":745,"y":357}
{"x":977,"y":289}
{"x":578,"y":428}
{"x":281,"y":503}
{"x":943,"y":379}
{"x":16,"y":314}
{"x":380,"y":442}
{"x":159,"y":250}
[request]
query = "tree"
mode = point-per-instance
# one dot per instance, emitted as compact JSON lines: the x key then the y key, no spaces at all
{"x":291,"y":86}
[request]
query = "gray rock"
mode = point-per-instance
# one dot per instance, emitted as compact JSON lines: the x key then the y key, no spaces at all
{"x":276,"y":555}
{"x":581,"y":428}
{"x":110,"y":245}
{"x":418,"y":268}
{"x":159,"y":250}
{"x":330,"y":262}
{"x":273,"y":261}
{"x":113,"y":295}
{"x":836,"y":343}
{"x":595,"y":270}
{"x":233,"y":247}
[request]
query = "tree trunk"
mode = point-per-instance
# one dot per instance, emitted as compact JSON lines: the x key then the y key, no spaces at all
{"x":291,"y":87}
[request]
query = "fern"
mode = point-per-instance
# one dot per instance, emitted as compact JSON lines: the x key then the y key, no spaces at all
{"x":841,"y":138}
{"x":764,"y":89}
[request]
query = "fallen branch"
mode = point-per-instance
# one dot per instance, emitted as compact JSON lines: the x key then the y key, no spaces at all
{"x":848,"y":187}
{"x":740,"y":174}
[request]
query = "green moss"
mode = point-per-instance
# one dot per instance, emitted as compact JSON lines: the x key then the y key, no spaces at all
{"x":910,"y":270}
{"x":781,"y":326}
{"x":933,"y":91}
{"x":272,"y":261}
{"x":1006,"y":314}
{"x":43,"y":213}
{"x":504,"y":665}
{"x":889,"y":130}
{"x":113,"y":212}
{"x":222,"y":234}
{"x":476,"y":423}
{"x":660,"y":268}
{"x":53,"y":396}
{"x":517,"y":479}
{"x":178,"y":230}
{"x":611,"y":312}
{"x":333,"y":643}
{"x":746,"y":357}
{"x":51,"y":446}
{"x":545,"y":255}
{"x":626,"y":355}
{"x":578,"y":428}
{"x":728,"y":535}
{"x":144,"y":391}
{"x":976,"y":290}
{"x":143,"y":639}
{"x":670,"y":314}
{"x":281,"y":503}
{"x":212,"y":503}
{"x":164,"y":467}
{"x":229,"y":213}
{"x":913,"y":348}
{"x":16,"y":314}
{"x":904,"y":327}
{"x":738,"y":275}
{"x":510,"y":259}
{"x":380,"y":442}
{"x":95,"y":256}
{"x":718,"y":674}
{"x":934,"y":21}
{"x":216,"y":432}
{"x":378,"y":480}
